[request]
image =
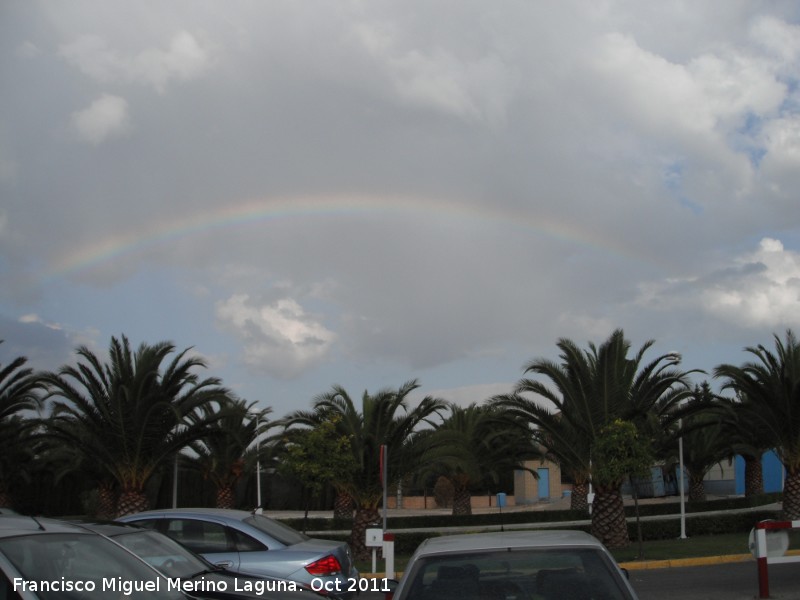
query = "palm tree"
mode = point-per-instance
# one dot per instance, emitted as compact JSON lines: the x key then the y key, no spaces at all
{"x":130,"y":415}
{"x":748,"y":438}
{"x":559,"y":441}
{"x":19,"y":392}
{"x":772,"y":384}
{"x":384,"y":419}
{"x":589,"y":390}
{"x":476,"y":445}
{"x":704,"y":446}
{"x":231,"y":447}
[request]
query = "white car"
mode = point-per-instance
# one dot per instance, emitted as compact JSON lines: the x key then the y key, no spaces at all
{"x":518,"y":565}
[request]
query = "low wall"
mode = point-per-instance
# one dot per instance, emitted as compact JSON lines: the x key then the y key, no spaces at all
{"x":428,"y":502}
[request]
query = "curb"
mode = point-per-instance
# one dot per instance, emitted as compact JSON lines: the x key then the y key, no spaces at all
{"x":698,"y":561}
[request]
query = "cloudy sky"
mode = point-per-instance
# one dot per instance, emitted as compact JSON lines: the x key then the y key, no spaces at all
{"x":363,"y":192}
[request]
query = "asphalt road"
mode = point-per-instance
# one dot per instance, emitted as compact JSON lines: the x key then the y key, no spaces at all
{"x":730,"y":581}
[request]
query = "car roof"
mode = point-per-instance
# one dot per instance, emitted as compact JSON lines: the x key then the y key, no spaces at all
{"x":13,"y":525}
{"x":215,"y":512}
{"x":109,"y":528}
{"x":506,"y":540}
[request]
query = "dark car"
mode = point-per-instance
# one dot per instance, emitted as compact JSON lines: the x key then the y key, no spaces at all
{"x":175,"y":561}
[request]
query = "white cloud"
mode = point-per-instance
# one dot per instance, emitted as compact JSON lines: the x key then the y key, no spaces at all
{"x":781,"y":163}
{"x":478,"y":87}
{"x":185,"y":58}
{"x":27,"y":49}
{"x":279,"y":338}
{"x":779,"y":37}
{"x":34,"y":318}
{"x":105,"y":118}
{"x":757,"y":289}
{"x":693,"y":98}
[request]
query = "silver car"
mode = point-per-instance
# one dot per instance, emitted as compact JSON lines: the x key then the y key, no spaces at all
{"x":519,"y":565}
{"x":253,"y":544}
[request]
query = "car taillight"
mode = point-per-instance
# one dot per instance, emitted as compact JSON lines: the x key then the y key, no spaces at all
{"x":328,"y":565}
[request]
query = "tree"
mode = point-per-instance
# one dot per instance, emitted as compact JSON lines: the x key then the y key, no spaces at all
{"x":475,"y":445}
{"x":590,"y":389}
{"x":748,"y":437}
{"x":559,"y":440}
{"x":318,"y":456}
{"x":131,"y":414}
{"x":620,"y":452}
{"x":705,"y":440}
{"x":19,"y":392}
{"x":771,"y":383}
{"x":231,"y":447}
{"x":385,"y":418}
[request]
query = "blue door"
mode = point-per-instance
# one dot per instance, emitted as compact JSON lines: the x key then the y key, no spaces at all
{"x":544,"y":483}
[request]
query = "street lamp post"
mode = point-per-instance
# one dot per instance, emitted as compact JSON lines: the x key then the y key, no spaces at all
{"x":680,"y":482}
{"x":258,"y":464}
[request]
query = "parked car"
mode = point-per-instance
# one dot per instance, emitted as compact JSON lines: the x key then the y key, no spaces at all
{"x":541,"y":565}
{"x":253,"y":544}
{"x":46,"y":559}
{"x":175,"y":561}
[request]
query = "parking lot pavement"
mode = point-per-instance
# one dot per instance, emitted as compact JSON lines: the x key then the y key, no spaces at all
{"x":726,"y":581}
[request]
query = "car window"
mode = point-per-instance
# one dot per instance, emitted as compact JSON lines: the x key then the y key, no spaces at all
{"x":147,"y":523}
{"x":246,"y":543}
{"x":162,"y":552}
{"x":553,"y":574}
{"x":6,"y":589}
{"x":199,"y":536}
{"x":276,"y":530}
{"x":91,"y":565}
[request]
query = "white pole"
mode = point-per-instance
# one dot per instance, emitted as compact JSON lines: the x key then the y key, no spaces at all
{"x":385,"y":482}
{"x":175,"y":484}
{"x":258,"y":464}
{"x":680,"y":483}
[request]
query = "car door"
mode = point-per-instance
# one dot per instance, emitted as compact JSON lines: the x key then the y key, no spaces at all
{"x":207,"y":538}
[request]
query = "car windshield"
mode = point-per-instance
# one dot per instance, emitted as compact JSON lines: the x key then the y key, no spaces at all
{"x":282,"y":533}
{"x":551,"y":574}
{"x":73,"y":566}
{"x":163,"y":553}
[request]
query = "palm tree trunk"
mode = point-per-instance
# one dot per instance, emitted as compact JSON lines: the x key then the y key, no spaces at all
{"x":791,"y":495}
{"x":365,"y":516}
{"x":462,"y":502}
{"x":578,"y":501}
{"x":753,"y":477}
{"x":608,"y":518}
{"x":131,"y":501}
{"x":697,"y":489}
{"x":106,"y":501}
{"x":343,"y":506}
{"x":225,"y":497}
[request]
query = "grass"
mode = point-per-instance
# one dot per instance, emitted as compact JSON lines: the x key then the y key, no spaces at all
{"x":692,"y":547}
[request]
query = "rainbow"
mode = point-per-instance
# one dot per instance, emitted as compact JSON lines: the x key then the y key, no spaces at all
{"x":253,"y":211}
